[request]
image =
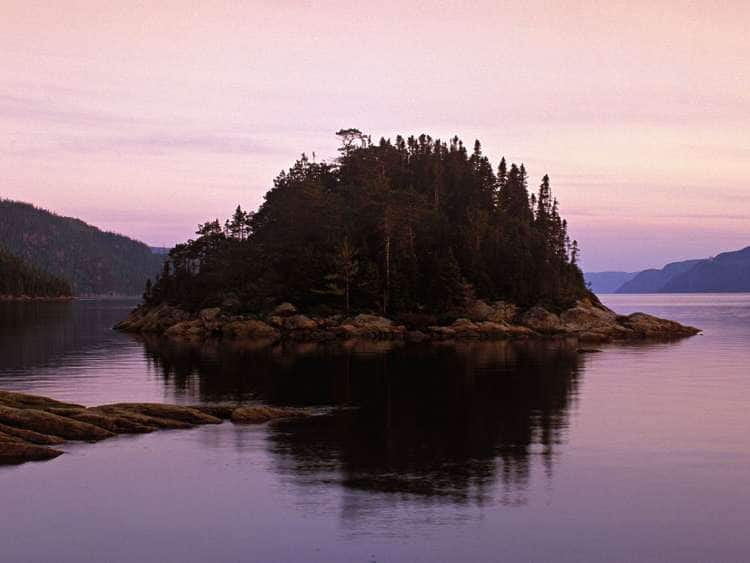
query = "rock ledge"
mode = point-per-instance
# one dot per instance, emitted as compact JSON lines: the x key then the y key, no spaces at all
{"x":588,"y":320}
{"x":29,"y":423}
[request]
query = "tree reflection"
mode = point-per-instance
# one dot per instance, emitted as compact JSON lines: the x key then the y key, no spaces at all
{"x":435,"y":420}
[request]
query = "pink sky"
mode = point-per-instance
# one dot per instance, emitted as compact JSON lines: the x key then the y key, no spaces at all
{"x":149,"y":117}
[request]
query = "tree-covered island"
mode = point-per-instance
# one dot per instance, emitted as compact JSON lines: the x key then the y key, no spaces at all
{"x":395,"y":237}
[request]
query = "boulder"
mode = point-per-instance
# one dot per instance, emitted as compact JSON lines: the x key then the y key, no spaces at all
{"x":24,"y":401}
{"x":211,"y":319}
{"x":503,"y":312}
{"x":518,"y":331}
{"x":464,"y":328}
{"x":156,"y":319}
{"x":300,"y":322}
{"x":441,"y":332}
{"x":112,"y":422}
{"x":541,"y":320}
{"x":373,"y":322}
{"x":250,"y":329}
{"x":491,"y":328}
{"x":479,"y":311}
{"x":168,"y":412}
{"x":136,"y":418}
{"x":284,"y":310}
{"x":51,"y":424}
{"x":263,"y":413}
{"x":592,"y":322}
{"x":30,"y":436}
{"x":648,"y":326}
{"x":14,"y":450}
{"x":231,"y":303}
{"x":371,"y":326}
{"x":187,"y":329}
{"x":333,"y":321}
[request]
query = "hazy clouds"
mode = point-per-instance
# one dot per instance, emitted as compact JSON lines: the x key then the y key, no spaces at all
{"x":149,"y":119}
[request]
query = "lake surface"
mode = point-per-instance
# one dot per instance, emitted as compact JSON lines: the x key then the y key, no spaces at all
{"x":473,"y":452}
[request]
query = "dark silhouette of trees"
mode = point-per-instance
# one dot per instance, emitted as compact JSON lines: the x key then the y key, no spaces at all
{"x":18,"y":278}
{"x":392,"y":227}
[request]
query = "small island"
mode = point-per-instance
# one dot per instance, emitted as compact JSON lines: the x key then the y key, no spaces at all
{"x":414,"y":239}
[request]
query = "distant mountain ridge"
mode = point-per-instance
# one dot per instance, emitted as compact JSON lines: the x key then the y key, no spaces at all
{"x":607,"y":282}
{"x":727,"y":272}
{"x":653,"y":281}
{"x":93,"y":261}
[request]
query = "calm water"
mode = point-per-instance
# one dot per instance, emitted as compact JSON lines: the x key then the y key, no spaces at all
{"x":475,"y":452}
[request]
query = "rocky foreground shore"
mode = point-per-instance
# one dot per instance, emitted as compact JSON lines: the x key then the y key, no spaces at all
{"x":31,"y":425}
{"x":589,"y":321}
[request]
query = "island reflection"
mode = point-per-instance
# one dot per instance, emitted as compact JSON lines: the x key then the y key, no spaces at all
{"x":448,"y":421}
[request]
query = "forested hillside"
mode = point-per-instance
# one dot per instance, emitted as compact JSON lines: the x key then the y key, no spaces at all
{"x":18,"y":279}
{"x":91,"y":260}
{"x":405,"y":226}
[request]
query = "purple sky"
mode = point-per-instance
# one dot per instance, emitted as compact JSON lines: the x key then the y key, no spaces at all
{"x":148,"y":120}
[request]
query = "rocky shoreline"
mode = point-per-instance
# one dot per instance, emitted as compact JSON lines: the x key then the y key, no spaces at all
{"x":588,"y":321}
{"x":30,"y":425}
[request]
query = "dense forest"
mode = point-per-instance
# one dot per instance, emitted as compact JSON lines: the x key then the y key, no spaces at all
{"x":20,"y":279}
{"x":92,"y":261}
{"x":412,"y":225}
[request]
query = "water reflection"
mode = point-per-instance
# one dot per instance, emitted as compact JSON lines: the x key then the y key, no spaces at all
{"x":448,"y":420}
{"x":34,"y":334}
